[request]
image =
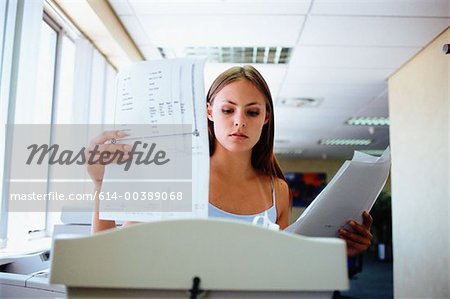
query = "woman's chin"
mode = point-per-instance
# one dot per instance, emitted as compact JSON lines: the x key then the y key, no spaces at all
{"x":235,"y":146}
{"x":239,"y":148}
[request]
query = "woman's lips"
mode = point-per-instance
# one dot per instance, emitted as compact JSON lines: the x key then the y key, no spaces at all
{"x":239,"y":135}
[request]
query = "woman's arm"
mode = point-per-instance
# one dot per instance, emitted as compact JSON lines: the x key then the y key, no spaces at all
{"x":97,"y":223}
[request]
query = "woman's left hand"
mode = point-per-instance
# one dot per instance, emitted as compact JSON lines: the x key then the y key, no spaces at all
{"x":360,"y":238}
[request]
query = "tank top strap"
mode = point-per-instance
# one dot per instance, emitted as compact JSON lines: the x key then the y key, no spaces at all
{"x":273,"y":194}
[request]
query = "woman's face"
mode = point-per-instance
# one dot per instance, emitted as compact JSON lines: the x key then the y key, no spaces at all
{"x":239,"y":113}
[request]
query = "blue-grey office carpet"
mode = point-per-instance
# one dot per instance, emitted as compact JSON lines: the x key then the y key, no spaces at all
{"x":375,"y":280}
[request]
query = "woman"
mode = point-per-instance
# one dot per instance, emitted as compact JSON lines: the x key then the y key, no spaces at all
{"x":245,"y":178}
{"x":241,"y":133}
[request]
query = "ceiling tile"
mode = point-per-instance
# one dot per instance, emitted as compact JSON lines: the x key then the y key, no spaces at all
{"x":379,"y":106}
{"x":219,"y":30}
{"x":347,"y":131}
{"x":332,"y":90}
{"x":350,"y":57}
{"x":334,"y":102}
{"x":336,"y":75}
{"x":371,"y":31}
{"x":370,"y":110}
{"x":310,"y":118}
{"x":145,"y":7}
{"x":295,"y":137}
{"x":410,"y":8}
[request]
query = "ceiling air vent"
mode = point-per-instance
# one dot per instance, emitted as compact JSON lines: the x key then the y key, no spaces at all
{"x":299,"y":102}
{"x":264,"y":55}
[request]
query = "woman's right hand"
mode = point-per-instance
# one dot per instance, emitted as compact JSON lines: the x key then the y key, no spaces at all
{"x":99,"y":146}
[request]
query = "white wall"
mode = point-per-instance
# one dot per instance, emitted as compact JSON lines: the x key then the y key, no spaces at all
{"x":419,"y":96}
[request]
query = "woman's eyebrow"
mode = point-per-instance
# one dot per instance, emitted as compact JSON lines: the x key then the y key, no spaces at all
{"x":253,"y":103}
{"x":249,"y":104}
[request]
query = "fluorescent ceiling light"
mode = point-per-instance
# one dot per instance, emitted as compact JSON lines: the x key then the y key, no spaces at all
{"x":264,"y":55}
{"x":345,"y":141}
{"x":288,"y":151}
{"x":368,"y":121}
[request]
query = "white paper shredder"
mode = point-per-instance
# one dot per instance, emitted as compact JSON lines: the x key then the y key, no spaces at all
{"x":204,"y":258}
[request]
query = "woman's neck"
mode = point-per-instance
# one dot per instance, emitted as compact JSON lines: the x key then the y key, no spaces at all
{"x":232,"y":164}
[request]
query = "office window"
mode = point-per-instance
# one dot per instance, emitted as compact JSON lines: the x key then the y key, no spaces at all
{"x":64,"y":95}
{"x":38,"y":111}
{"x":42,"y":104}
{"x":7,"y":26}
{"x":53,"y":84}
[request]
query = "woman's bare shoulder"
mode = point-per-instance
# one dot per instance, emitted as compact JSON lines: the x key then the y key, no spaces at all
{"x":282,"y":195}
{"x":281,"y":189}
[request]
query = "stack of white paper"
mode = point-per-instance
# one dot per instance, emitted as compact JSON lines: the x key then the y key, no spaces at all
{"x":353,"y":189}
{"x":168,"y":97}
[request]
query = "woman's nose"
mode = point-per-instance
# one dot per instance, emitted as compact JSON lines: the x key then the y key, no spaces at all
{"x":239,"y":120}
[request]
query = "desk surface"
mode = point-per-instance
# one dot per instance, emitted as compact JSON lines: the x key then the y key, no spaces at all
{"x":19,"y":250}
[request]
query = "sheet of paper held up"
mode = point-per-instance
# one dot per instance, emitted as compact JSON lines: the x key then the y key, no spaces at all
{"x":353,"y":189}
{"x":167,"y":99}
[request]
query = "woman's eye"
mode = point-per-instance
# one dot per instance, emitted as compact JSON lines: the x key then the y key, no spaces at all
{"x":253,"y":113}
{"x":226,"y":111}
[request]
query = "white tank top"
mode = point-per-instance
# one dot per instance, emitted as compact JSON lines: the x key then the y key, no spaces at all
{"x":214,"y":211}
